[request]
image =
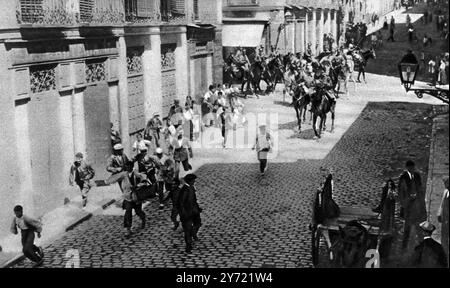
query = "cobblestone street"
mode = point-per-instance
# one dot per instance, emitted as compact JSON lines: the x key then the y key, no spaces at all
{"x":249,"y":221}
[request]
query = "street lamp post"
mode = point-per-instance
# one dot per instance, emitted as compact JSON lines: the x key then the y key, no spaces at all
{"x":408,"y":69}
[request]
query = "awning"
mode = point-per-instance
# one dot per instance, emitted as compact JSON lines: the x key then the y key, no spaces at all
{"x":242,"y":35}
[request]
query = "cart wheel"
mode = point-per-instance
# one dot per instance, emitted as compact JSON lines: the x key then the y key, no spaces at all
{"x":315,"y":242}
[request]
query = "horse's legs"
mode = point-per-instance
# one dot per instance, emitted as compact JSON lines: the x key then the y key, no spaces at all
{"x":314,"y":126}
{"x":305,"y":110}
{"x":332,"y":120}
{"x":298,"y":111}
{"x":324,"y":122}
{"x":364,"y":74}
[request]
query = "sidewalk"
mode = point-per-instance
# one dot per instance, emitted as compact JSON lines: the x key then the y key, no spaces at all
{"x":58,"y":221}
{"x":399,"y":16}
{"x":438,"y":167}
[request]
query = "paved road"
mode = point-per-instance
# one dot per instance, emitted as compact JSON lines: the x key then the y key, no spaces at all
{"x":249,"y":221}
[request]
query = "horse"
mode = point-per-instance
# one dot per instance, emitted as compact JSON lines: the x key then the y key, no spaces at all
{"x":361,"y":60}
{"x":276,"y":70}
{"x":261,"y":73}
{"x":351,"y":246}
{"x":321,"y":106}
{"x":301,"y":101}
{"x":234,"y":71}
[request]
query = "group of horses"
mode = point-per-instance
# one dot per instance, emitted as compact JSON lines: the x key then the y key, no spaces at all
{"x":274,"y":70}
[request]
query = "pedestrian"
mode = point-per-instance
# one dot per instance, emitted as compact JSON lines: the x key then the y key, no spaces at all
{"x":442,"y":217}
{"x":207,"y":113}
{"x":410,"y":33}
{"x":386,"y":209}
{"x":209,"y":93}
{"x":442,"y":77}
{"x":146,"y":164}
{"x":188,"y":116}
{"x":169,"y":132}
{"x":391,"y":34}
{"x":425,"y":40}
{"x":422,"y":58}
{"x":181,"y":150}
{"x":167,"y":180}
{"x":385,"y":23}
{"x":81,"y":174}
{"x":223,"y":116}
{"x":429,"y":253}
{"x":115,"y":136}
{"x":380,"y":39}
{"x":189,"y":211}
{"x":431,"y":66}
{"x":189,"y":102}
{"x":116,"y":162}
{"x":425,"y":17}
{"x":130,"y":181}
{"x":177,"y":118}
{"x":263,"y":145}
{"x":140,"y":143}
{"x":412,"y":201}
{"x":164,"y":174}
{"x":408,"y":20}
{"x":173,"y":109}
{"x":28,"y":226}
{"x":153,"y":130}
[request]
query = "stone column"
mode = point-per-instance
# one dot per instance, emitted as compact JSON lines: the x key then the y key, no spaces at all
{"x":302,"y":35}
{"x":313,"y":33}
{"x":328,"y":22}
{"x":114,"y":113}
{"x":25,"y":172}
{"x":334,"y":25}
{"x":66,"y":131}
{"x":151,"y":59}
{"x":291,"y":29}
{"x":79,"y":125}
{"x":320,"y":31}
{"x":306,"y":32}
{"x":181,"y":59}
{"x":123,"y":94}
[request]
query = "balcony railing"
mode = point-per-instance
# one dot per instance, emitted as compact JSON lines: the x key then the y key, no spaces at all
{"x":70,"y":12}
{"x":173,"y":11}
{"x":155,"y":12}
{"x":243,"y":2}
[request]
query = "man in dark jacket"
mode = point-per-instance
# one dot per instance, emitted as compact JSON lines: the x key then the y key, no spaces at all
{"x":130,"y":181}
{"x":429,"y":253}
{"x":189,"y":211}
{"x":412,"y":201}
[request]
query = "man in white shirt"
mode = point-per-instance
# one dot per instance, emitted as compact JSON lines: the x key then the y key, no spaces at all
{"x":28,"y":226}
{"x":140,"y":143}
{"x":210,"y":93}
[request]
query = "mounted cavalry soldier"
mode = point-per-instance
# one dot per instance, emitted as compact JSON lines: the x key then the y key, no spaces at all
{"x":242,"y":60}
{"x":323,"y":82}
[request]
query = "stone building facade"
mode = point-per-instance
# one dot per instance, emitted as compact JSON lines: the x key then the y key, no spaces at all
{"x":69,"y":68}
{"x":286,"y":25}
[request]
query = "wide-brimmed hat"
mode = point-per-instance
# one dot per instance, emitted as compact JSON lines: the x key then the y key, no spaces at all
{"x":190,"y":177}
{"x":427,"y":227}
{"x":159,"y":151}
{"x":79,"y":155}
{"x":118,"y":147}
